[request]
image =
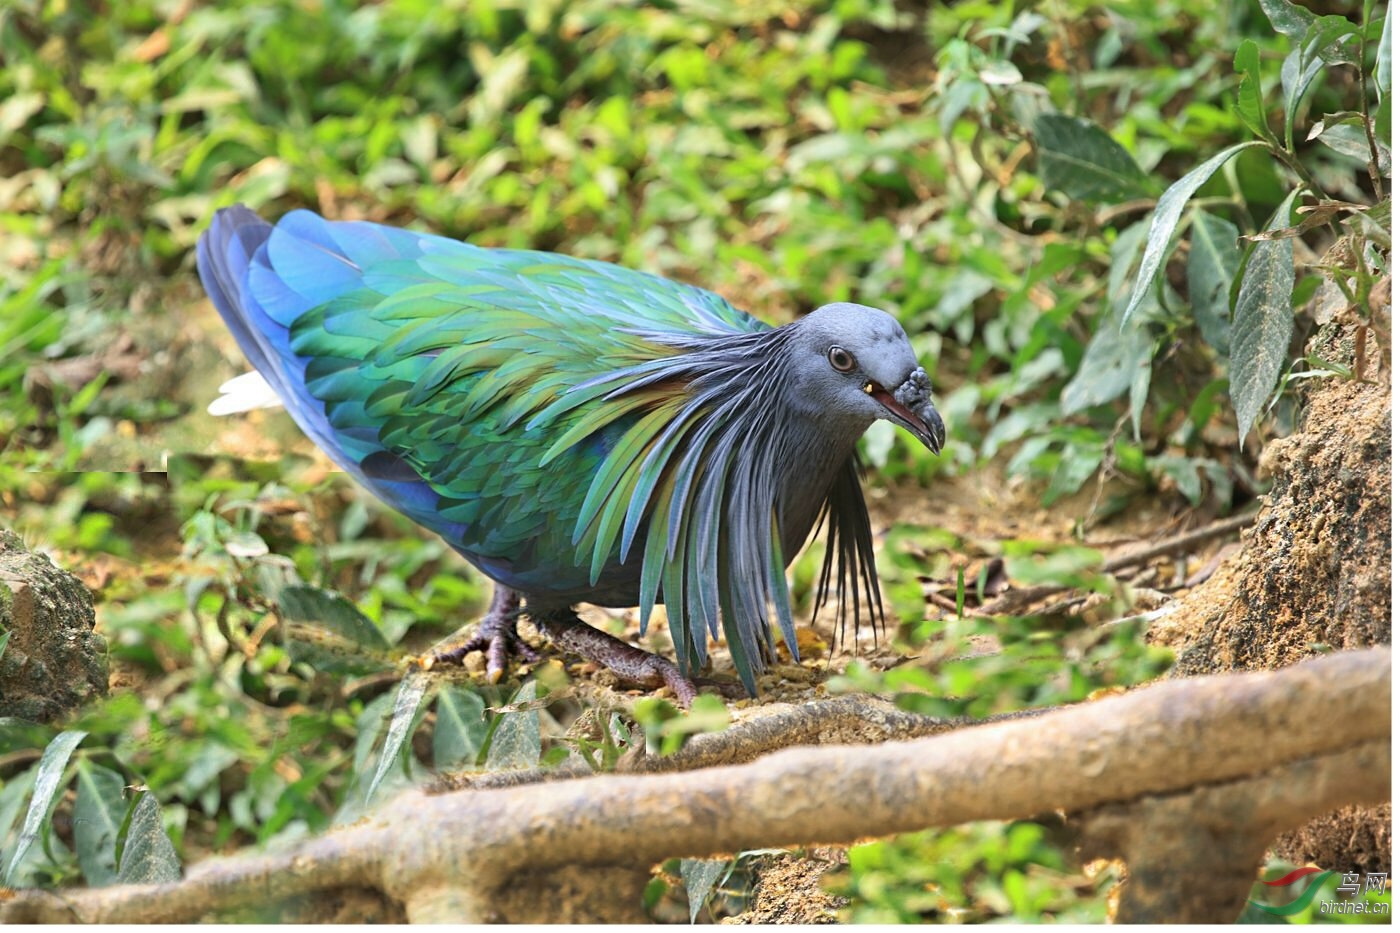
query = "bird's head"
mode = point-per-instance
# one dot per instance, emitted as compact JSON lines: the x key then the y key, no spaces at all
{"x":854,"y":363}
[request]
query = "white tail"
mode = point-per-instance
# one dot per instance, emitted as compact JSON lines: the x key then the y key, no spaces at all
{"x":244,"y":393}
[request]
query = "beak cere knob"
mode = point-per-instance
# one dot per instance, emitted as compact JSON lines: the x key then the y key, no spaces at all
{"x":915,"y":394}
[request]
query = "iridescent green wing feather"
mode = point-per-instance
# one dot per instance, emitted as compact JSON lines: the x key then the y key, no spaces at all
{"x":507,"y":382}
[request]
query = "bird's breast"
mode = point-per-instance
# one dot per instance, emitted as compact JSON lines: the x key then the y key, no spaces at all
{"x":813,"y":472}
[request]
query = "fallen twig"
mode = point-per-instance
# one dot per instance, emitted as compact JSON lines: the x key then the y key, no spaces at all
{"x":1017,"y":600}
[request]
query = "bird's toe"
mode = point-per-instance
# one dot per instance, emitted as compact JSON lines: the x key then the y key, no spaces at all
{"x":495,"y":636}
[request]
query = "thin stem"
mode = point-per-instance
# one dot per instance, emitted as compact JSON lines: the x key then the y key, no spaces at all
{"x":1373,"y":164}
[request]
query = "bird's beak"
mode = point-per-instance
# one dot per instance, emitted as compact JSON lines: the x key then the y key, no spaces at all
{"x":911,"y":407}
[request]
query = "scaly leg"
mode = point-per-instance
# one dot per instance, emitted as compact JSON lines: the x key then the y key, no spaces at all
{"x":634,"y":665}
{"x":495,"y":635}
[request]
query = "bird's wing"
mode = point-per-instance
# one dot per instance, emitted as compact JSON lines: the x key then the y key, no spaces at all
{"x":435,"y":371}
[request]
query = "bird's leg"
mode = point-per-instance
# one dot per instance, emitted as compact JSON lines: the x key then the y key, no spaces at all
{"x":495,"y":635}
{"x":634,"y":665}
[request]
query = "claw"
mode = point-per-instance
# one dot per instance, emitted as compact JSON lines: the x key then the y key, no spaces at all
{"x":495,"y":636}
{"x":499,"y":642}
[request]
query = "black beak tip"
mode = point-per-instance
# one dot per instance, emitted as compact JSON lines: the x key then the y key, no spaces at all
{"x":935,"y":434}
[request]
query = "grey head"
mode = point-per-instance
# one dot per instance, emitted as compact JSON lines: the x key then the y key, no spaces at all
{"x":853,"y":364}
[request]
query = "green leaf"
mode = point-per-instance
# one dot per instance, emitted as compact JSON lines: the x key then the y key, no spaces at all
{"x":327,"y":631}
{"x":97,"y":821}
{"x":12,"y":798}
{"x":147,"y":854}
{"x":1080,"y":159}
{"x":15,"y":112}
{"x":369,"y":726}
{"x":1263,"y":324}
{"x":1111,"y":362}
{"x":1383,"y":62}
{"x":516,"y":740}
{"x":204,"y":763}
{"x":245,"y":544}
{"x":50,"y":775}
{"x":1288,"y":18}
{"x":1320,"y":46}
{"x":1294,"y":79}
{"x":1211,"y":267}
{"x":1075,"y":464}
{"x":1162,"y":233}
{"x":1186,"y":474}
{"x":1336,"y":40}
{"x":1351,"y":142}
{"x":1139,"y":385}
{"x":877,"y":442}
{"x":1124,"y":259}
{"x":1318,"y":36}
{"x":1068,"y":565}
{"x":667,"y":729}
{"x":406,"y":703}
{"x":1251,"y":95}
{"x":461,"y":728}
{"x":700,"y":877}
{"x":333,"y":611}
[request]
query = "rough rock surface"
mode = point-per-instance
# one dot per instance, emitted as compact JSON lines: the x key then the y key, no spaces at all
{"x":1314,"y":572}
{"x":53,"y":662}
{"x":792,"y":889}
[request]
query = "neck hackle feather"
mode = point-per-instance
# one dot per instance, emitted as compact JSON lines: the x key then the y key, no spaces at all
{"x":705,"y":473}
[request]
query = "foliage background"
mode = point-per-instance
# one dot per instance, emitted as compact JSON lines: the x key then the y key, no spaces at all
{"x":784,"y":154}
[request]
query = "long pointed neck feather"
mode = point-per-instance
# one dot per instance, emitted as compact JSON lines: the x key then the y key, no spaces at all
{"x":723,"y":489}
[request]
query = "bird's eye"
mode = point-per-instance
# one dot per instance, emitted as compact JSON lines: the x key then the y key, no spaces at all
{"x":841,"y":359}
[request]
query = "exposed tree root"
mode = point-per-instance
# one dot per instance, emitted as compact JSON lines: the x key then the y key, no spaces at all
{"x":854,"y":719}
{"x":1188,"y":780}
{"x":1204,"y":828}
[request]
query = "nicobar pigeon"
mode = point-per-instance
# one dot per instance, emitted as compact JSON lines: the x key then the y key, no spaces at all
{"x":578,"y":431}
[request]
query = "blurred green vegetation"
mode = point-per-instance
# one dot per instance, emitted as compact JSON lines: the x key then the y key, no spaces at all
{"x":987,"y":170}
{"x":980,"y":871}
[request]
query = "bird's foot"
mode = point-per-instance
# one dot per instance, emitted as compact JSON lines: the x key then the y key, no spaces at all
{"x":495,"y":636}
{"x":631,"y":664}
